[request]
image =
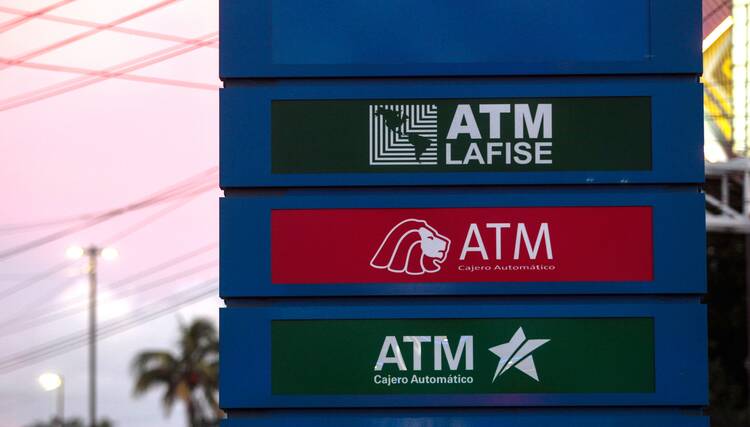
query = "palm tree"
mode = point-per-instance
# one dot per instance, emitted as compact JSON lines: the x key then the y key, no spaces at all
{"x":191,"y":375}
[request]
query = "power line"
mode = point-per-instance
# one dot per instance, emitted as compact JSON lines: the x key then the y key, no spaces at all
{"x":76,"y":83}
{"x":149,"y":201}
{"x":119,"y":69}
{"x":716,"y":10}
{"x":79,"y":339}
{"x":22,"y":228}
{"x":154,"y":198}
{"x":202,"y":175}
{"x":114,"y":239}
{"x":35,"y":279}
{"x":8,"y":253}
{"x":117,"y":29}
{"x":81,"y":307}
{"x":91,"y":32}
{"x":36,"y":14}
{"x":179,"y":186}
{"x":182,"y":201}
{"x":38,"y":308}
{"x":164,"y":265}
{"x":130,"y":77}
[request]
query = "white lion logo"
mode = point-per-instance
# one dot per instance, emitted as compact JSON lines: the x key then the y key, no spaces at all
{"x":412,"y":247}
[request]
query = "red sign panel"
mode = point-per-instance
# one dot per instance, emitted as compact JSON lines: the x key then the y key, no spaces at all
{"x":535,"y":244}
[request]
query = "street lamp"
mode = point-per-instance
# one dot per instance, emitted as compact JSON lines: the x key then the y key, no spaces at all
{"x":92,"y":252}
{"x":49,"y":382}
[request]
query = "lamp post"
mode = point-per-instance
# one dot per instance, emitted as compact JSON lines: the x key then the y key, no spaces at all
{"x":92,"y":254}
{"x":49,"y":382}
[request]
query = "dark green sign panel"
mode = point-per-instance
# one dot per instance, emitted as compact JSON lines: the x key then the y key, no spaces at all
{"x":461,"y":135}
{"x":434,"y":356}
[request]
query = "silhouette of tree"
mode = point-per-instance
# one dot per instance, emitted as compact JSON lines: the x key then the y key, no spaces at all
{"x":189,"y":375}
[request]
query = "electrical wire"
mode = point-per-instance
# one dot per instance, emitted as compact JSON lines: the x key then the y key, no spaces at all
{"x":41,"y":306}
{"x":82,"y":306}
{"x":117,"y":29}
{"x":35,"y":279}
{"x":130,"y":77}
{"x":185,"y":199}
{"x":203,"y":175}
{"x":51,"y":237}
{"x":13,"y":23}
{"x":119,"y":69}
{"x":136,"y":318}
{"x":155,"y":198}
{"x":717,"y":9}
{"x":164,"y":265}
{"x":80,"y":36}
{"x":80,"y":338}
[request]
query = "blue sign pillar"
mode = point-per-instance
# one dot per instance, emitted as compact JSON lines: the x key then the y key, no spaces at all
{"x":462,"y":213}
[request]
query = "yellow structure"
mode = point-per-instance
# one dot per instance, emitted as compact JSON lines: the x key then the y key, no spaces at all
{"x":718,"y":93}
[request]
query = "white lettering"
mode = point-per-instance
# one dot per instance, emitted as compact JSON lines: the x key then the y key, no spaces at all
{"x":522,"y":148}
{"x":466,"y":342}
{"x":448,"y":159}
{"x":494,"y":111}
{"x":473,"y":154}
{"x":492,"y":151}
{"x":542,"y":120}
{"x":390,"y":344}
{"x":464,"y":114}
{"x":498,"y":237}
{"x":473,"y":233}
{"x":416,"y":343}
{"x":522,"y":234}
{"x":540,"y":151}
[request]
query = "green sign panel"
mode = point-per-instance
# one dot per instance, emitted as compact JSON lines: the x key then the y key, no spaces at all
{"x":431,"y":356}
{"x":461,"y":135}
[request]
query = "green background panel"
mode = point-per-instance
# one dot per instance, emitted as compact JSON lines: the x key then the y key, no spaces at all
{"x":588,"y":134}
{"x":584,"y":355}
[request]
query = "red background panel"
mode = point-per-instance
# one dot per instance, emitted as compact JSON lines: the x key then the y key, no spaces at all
{"x":329,"y":246}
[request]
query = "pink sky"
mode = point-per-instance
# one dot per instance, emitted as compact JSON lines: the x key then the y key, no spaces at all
{"x":95,"y":148}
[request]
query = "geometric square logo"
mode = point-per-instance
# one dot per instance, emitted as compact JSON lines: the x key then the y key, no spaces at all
{"x":403,"y":134}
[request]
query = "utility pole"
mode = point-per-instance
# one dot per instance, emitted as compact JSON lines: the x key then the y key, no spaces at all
{"x":61,"y":402}
{"x":92,"y":252}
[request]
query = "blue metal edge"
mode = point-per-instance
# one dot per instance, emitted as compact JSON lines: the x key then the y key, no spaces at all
{"x":677,"y":122}
{"x":464,"y":417}
{"x":678,"y":226}
{"x":680,"y":334}
{"x":673,"y":37}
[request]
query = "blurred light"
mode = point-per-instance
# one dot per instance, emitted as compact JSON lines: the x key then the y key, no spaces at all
{"x":112,"y":308}
{"x":712,"y":149}
{"x":74,"y":252}
{"x":50,"y":381}
{"x":76,"y":291}
{"x":714,"y":153}
{"x":110,"y":254}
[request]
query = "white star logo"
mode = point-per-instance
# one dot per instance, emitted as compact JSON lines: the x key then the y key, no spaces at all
{"x":517,"y":353}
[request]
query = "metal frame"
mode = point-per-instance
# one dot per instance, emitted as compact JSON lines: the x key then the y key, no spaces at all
{"x":678,"y":224}
{"x":680,"y":336}
{"x":728,"y":219}
{"x":466,"y":417}
{"x":245,"y":150}
{"x":671,"y":29}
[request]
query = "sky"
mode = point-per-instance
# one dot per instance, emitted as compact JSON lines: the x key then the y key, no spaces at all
{"x":75,"y":144}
